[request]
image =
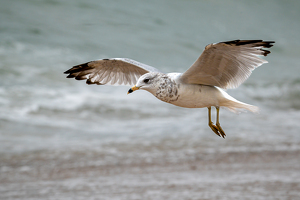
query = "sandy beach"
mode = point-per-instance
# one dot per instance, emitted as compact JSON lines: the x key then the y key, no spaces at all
{"x":153,"y":171}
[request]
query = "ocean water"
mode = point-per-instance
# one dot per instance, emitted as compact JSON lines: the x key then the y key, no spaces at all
{"x":58,"y":134}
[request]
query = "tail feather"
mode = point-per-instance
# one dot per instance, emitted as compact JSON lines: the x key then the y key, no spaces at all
{"x":237,"y":106}
{"x":234,"y":105}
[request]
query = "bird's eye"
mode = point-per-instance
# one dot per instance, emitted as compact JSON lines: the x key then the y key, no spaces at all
{"x":146,"y":80}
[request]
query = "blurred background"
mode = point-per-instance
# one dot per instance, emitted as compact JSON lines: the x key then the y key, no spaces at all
{"x":63,"y":139}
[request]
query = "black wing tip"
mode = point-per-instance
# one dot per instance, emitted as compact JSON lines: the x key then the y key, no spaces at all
{"x":82,"y":67}
{"x":255,"y":43}
{"x":74,"y":71}
{"x":79,"y":68}
{"x":78,"y":72}
{"x":79,"y":78}
{"x":265,"y":52}
{"x":89,"y":82}
{"x":241,"y":42}
{"x":265,"y":44}
{"x":70,"y":76}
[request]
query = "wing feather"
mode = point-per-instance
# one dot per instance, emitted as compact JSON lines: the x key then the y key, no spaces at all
{"x":115,"y":71}
{"x":227,"y":64}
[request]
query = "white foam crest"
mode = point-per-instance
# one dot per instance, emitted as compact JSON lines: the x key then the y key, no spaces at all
{"x":84,"y":105}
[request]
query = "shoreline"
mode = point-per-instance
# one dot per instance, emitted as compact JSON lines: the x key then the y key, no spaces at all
{"x":255,"y":175}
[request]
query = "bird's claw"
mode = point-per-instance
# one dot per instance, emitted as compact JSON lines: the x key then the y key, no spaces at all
{"x":221,"y":130}
{"x":217,"y":129}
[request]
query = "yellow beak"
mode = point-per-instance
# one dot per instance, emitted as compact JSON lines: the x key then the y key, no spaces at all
{"x":134,"y":88}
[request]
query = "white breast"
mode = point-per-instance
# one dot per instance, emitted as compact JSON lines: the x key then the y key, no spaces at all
{"x":197,"y":96}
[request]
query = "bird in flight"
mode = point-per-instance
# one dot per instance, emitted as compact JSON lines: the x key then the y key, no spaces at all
{"x":221,"y":66}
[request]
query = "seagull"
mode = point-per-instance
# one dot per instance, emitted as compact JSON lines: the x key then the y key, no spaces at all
{"x":221,"y":66}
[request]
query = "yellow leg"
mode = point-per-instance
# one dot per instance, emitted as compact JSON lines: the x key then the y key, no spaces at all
{"x":218,"y":123}
{"x":215,"y":128}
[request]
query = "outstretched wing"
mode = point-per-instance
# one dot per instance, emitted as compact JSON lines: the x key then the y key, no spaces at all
{"x":114,"y":71}
{"x":227,"y":64}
